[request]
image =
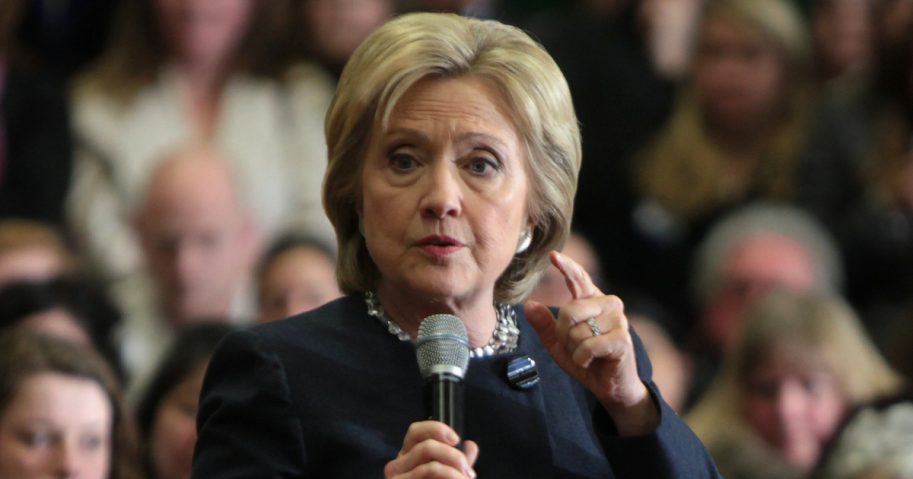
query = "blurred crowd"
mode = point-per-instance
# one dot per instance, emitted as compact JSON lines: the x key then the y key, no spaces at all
{"x":747,"y":189}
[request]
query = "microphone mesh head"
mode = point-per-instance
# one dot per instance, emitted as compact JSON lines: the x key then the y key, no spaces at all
{"x":442,"y":345}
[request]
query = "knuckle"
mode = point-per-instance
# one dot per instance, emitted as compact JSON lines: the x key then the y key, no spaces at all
{"x":615,"y":303}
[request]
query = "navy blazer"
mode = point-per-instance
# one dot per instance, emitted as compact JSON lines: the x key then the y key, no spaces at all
{"x":330,"y":393}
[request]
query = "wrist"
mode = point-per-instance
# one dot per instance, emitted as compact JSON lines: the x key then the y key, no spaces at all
{"x":636,"y":415}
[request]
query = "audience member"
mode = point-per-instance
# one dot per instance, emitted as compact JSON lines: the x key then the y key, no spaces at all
{"x":746,"y":254}
{"x":733,"y":137}
{"x":32,"y":251}
{"x":61,"y":413}
{"x":843,"y":36}
{"x":200,"y":244}
{"x":68,"y":308}
{"x":857,"y":174}
{"x":168,"y":409}
{"x":297,"y":274}
{"x":801,"y":362}
{"x":197,"y":71}
{"x":333,"y":28}
{"x":35,"y":149}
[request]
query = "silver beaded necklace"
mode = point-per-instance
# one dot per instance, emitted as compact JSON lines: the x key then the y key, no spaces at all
{"x":503,"y":340}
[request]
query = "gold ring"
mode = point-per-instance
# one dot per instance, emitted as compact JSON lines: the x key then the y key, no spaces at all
{"x":594,"y":326}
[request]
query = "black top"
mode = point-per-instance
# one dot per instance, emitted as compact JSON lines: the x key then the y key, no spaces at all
{"x":330,"y":393}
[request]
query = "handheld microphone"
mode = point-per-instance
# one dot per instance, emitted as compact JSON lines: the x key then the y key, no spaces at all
{"x":442,"y":348}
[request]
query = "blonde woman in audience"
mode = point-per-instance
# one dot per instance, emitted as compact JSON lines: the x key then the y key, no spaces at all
{"x":60,"y":412}
{"x":183,"y":72}
{"x":732,"y":138}
{"x":740,"y":119}
{"x":802,"y":361}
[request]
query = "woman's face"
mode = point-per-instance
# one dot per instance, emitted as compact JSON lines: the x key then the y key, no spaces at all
{"x":298,"y":280}
{"x":793,"y":404}
{"x":738,"y":76}
{"x":843,"y":34}
{"x":174,"y":427}
{"x":203,"y":32}
{"x":337,"y":27}
{"x":445,"y":191}
{"x":56,"y":426}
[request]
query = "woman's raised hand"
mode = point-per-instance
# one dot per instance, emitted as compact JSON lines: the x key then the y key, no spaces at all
{"x":591,"y":342}
{"x":429,"y":451}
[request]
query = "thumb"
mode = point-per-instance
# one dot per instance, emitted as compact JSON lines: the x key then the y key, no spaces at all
{"x":543,"y":321}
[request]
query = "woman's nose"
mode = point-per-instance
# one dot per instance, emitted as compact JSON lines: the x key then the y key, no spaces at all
{"x":790,"y":403}
{"x":442,"y":196}
{"x":65,"y":461}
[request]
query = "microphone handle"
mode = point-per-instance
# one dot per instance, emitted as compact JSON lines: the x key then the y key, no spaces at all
{"x":444,"y":401}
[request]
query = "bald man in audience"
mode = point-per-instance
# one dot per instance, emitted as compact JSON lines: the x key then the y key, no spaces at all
{"x":199,"y":244}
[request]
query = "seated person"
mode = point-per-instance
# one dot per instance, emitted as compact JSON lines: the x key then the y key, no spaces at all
{"x":297,"y":274}
{"x":60,"y":412}
{"x":800,"y":363}
{"x":199,"y":242}
{"x":746,"y":254}
{"x":168,"y":409}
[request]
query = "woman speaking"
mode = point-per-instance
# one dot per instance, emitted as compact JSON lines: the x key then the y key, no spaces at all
{"x":454,"y":153}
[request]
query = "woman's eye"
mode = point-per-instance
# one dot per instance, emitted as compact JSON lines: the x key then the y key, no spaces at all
{"x":482,"y":166}
{"x":402,"y":162}
{"x":91,"y":442}
{"x":36,"y":439}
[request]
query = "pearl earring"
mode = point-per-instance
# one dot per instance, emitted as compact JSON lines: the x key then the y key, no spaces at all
{"x":526,"y":238}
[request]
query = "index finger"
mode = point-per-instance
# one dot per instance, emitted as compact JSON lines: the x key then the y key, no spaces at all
{"x":577,"y":279}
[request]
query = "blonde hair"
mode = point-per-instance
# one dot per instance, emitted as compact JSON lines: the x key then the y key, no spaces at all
{"x":822,"y":324}
{"x":418,"y":46}
{"x":684,"y":153}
